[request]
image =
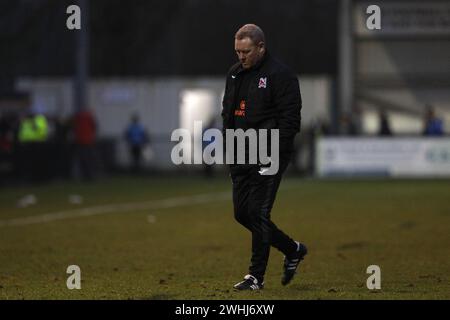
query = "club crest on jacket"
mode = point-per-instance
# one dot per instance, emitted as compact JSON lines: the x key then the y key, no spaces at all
{"x":262,"y":83}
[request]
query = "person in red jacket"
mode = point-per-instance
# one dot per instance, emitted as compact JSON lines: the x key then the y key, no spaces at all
{"x":84,"y":128}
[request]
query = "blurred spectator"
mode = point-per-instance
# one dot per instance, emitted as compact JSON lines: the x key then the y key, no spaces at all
{"x":32,"y":135}
{"x":136,"y":137}
{"x":306,"y":149}
{"x":349,"y":126}
{"x":321,"y":127}
{"x":208,"y":169}
{"x":33,"y":128}
{"x":6,"y":137}
{"x":351,"y":123}
{"x":6,"y":147}
{"x":85,"y":127}
{"x":385,"y":128}
{"x":433,"y":125}
{"x":62,"y":150}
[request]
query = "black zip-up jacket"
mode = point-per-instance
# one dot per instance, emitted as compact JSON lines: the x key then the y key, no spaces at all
{"x":273,"y":100}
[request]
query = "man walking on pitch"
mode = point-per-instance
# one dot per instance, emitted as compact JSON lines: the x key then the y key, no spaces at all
{"x":261,"y":93}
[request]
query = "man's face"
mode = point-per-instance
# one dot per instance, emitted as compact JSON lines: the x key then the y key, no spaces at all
{"x":248,"y":52}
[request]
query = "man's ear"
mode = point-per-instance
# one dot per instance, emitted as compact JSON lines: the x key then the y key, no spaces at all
{"x":261,"y":47}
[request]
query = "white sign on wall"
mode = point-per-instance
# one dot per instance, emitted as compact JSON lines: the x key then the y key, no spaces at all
{"x":405,"y":18}
{"x":396,"y":157}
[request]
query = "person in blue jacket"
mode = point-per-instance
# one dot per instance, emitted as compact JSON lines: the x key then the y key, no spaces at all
{"x":136,"y":137}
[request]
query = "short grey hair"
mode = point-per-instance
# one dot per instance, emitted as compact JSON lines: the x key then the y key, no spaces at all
{"x":251,"y":31}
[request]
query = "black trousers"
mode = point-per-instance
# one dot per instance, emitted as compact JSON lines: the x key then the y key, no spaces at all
{"x":136,"y":155}
{"x":85,"y":158}
{"x":253,"y":198}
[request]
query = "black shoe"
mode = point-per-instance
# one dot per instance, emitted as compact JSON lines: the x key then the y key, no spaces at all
{"x":249,"y":283}
{"x":291,"y":263}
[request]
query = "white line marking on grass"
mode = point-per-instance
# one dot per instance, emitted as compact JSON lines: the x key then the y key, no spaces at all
{"x":124,"y":207}
{"x":118,"y":207}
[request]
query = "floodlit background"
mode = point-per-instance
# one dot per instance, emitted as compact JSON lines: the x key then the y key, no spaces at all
{"x":368,"y":182}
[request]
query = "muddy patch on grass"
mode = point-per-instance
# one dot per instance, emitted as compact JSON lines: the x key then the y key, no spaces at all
{"x":353,"y":245}
{"x":212,"y":248}
{"x":159,"y":296}
{"x":407,"y":225}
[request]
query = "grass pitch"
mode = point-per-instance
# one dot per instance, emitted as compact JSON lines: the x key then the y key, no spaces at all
{"x":190,"y":247}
